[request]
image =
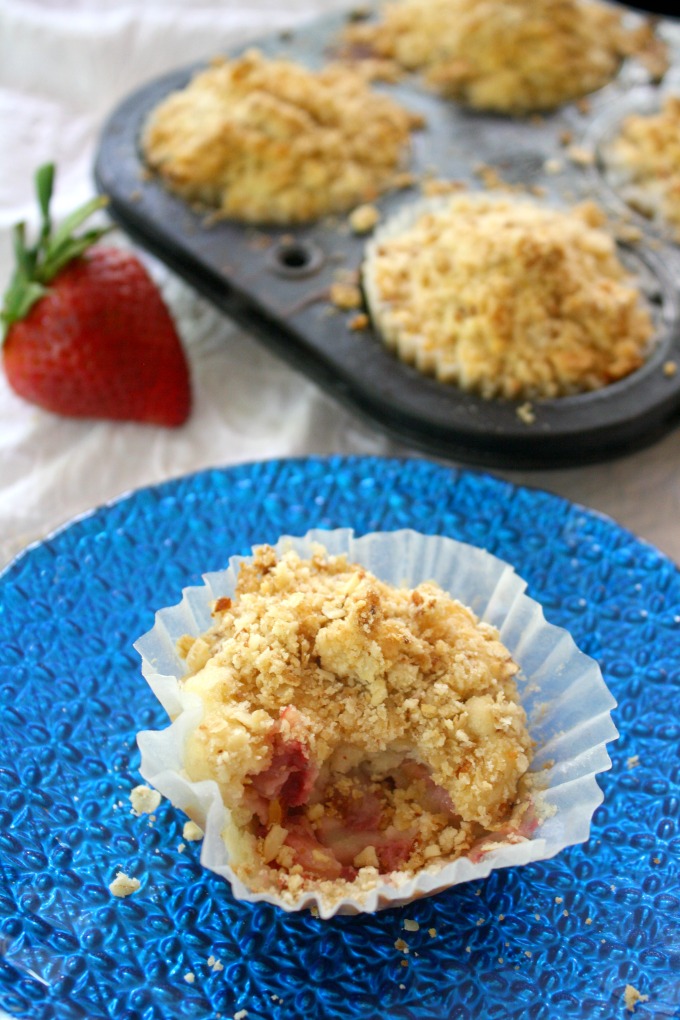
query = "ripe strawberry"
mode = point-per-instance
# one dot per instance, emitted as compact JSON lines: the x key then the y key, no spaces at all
{"x":87,"y":333}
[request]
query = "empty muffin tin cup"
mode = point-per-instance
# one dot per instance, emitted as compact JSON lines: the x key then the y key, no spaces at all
{"x":567,"y":703}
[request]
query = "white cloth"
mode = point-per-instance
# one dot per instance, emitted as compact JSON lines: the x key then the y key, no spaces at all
{"x":64,"y":64}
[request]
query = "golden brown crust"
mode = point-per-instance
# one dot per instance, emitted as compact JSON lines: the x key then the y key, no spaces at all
{"x":644,"y":160}
{"x":266,"y":140}
{"x":374,"y":682}
{"x":509,"y":56}
{"x":507,"y":297}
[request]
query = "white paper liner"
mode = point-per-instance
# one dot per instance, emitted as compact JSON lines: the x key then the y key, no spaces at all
{"x":567,"y":702}
{"x":408,"y":345}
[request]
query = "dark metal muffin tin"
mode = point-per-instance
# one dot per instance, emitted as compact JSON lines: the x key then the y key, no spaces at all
{"x":275,"y":282}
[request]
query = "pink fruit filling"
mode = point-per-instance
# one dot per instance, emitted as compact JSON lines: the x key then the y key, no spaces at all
{"x":331,"y":824}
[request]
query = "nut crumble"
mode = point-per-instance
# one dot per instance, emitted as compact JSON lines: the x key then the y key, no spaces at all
{"x":352,"y":726}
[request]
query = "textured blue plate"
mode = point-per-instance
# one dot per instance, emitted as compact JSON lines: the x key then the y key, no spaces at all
{"x":558,"y":939}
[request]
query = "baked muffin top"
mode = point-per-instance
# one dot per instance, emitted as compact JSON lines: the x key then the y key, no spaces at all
{"x":353,"y":728}
{"x":269,"y":141}
{"x":507,"y":297}
{"x":644,"y":160}
{"x":510,"y":56}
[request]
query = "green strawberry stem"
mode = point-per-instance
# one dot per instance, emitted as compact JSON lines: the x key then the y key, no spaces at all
{"x":38,"y":264}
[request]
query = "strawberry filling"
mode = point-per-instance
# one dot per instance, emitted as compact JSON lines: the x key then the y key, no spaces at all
{"x":290,"y":777}
{"x":330,"y":825}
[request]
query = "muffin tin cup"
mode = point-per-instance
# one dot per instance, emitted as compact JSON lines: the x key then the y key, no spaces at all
{"x":567,"y":702}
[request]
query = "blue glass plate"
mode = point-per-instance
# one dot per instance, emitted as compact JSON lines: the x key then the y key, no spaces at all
{"x":557,"y":939}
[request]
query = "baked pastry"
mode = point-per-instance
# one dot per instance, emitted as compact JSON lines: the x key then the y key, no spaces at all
{"x":505,"y":296}
{"x":642,"y":162}
{"x":509,"y":56}
{"x":565,"y":700}
{"x":354,"y":729}
{"x":267,"y":141}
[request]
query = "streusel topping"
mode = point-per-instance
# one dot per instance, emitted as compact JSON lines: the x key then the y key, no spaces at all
{"x":263,"y":140}
{"x":351,"y":725}
{"x":510,"y":56}
{"x":507,"y":297}
{"x":644,"y":161}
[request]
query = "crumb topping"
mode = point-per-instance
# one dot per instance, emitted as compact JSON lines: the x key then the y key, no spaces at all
{"x":644,"y":160}
{"x":265,"y":140}
{"x":346,"y":296}
{"x":353,"y":728}
{"x":507,"y":297}
{"x":510,"y":56}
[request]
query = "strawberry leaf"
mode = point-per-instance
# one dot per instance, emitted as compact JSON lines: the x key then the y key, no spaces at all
{"x":37,"y":265}
{"x":19,"y":299}
{"x":44,"y":184}
{"x":63,"y":233}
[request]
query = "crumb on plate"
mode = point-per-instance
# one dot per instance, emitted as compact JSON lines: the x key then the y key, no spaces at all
{"x":631,"y":997}
{"x":124,"y":885}
{"x":144,"y":800}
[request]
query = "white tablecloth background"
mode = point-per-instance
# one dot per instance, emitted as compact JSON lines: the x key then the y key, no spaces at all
{"x":64,"y":64}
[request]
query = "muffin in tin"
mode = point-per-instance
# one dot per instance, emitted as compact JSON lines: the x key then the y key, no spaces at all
{"x":641,"y":161}
{"x":506,"y":296}
{"x":511,"y":56}
{"x":264,"y":140}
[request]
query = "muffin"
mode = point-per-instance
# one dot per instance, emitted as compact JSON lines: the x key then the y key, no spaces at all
{"x":268,"y":141}
{"x":510,"y":56}
{"x":506,"y":297}
{"x":349,"y":741}
{"x":642,"y":161}
{"x":354,"y":729}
